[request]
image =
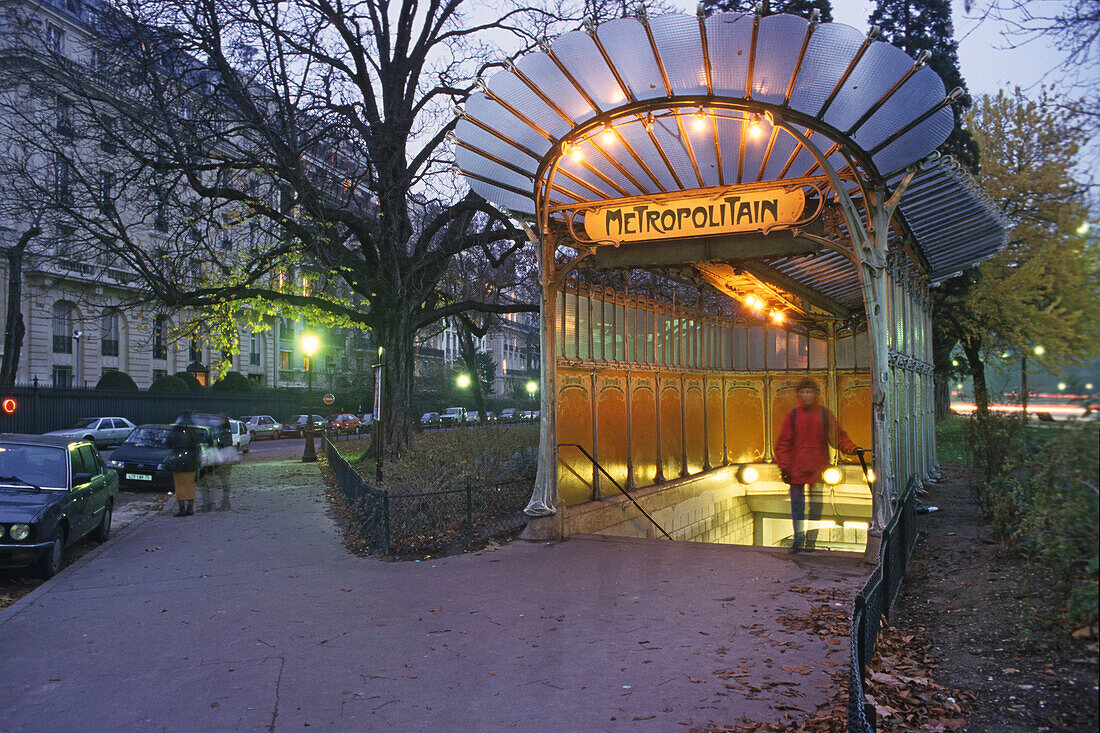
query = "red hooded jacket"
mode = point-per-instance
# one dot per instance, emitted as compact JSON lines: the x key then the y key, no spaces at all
{"x":802,"y":450}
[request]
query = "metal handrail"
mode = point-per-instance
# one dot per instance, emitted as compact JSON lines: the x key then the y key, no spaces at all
{"x":610,"y":478}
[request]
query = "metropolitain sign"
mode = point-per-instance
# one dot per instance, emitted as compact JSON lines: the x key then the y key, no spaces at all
{"x":727,"y":213}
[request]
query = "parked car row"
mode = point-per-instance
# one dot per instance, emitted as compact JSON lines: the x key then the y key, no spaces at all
{"x":455,"y":416}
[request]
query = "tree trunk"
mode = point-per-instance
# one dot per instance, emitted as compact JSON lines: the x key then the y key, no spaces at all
{"x":972,"y":349}
{"x":942,"y":345}
{"x":469,"y":357}
{"x":14,"y":329}
{"x":1023,"y":388}
{"x":396,"y":341}
{"x":941,"y":396}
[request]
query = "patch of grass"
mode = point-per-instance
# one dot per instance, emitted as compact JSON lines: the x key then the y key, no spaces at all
{"x":951,"y":440}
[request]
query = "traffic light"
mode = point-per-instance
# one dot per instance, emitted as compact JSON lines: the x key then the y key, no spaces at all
{"x":9,"y":405}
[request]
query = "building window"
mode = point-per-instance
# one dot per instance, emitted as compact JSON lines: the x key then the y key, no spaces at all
{"x":62,"y":327}
{"x":254,"y":350}
{"x":64,"y":116}
{"x":108,"y":345}
{"x":284,"y":359}
{"x":62,"y":175}
{"x":160,"y":327}
{"x":62,"y":377}
{"x":108,"y":143}
{"x":106,"y":193}
{"x":305,"y":364}
{"x":55,"y":38}
{"x":194,"y":353}
{"x":160,"y":211}
{"x":63,"y":247}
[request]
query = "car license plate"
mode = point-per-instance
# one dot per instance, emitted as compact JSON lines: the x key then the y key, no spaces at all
{"x":139,"y":477}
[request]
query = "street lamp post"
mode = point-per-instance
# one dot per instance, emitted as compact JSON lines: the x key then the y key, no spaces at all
{"x":309,"y":345}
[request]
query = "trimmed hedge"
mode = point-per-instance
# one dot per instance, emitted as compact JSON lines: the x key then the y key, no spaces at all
{"x":168,"y":383}
{"x":116,"y":381}
{"x":233,"y":382}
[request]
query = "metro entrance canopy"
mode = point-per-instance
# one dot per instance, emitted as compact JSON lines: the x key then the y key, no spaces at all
{"x":771,"y":155}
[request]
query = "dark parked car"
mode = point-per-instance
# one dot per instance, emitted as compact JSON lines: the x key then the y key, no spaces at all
{"x":295,"y":425}
{"x":153,"y":453}
{"x":53,"y":492}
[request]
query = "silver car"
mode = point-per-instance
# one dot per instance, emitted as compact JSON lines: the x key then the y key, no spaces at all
{"x":242,"y":439}
{"x":263,"y":426}
{"x":102,"y":431}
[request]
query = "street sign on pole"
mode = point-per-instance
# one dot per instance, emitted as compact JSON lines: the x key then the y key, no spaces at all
{"x":328,"y":399}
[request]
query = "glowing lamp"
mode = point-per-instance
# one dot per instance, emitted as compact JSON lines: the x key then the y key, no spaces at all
{"x":870,"y":475}
{"x":463,"y":381}
{"x":532,"y":387}
{"x":832,"y":476}
{"x":607,"y":137}
{"x":755,"y":128}
{"x":700,"y":121}
{"x":747,"y":474}
{"x":778,"y":317}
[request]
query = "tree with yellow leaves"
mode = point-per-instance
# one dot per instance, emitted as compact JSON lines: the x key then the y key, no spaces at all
{"x":1043,"y":287}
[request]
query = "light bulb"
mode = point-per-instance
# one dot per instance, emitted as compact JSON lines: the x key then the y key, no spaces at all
{"x":755,"y":128}
{"x":700,"y":122}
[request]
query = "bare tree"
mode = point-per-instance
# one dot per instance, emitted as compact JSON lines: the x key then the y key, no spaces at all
{"x":243,"y":159}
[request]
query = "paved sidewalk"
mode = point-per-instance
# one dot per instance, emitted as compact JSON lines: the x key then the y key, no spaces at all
{"x":258,"y":619}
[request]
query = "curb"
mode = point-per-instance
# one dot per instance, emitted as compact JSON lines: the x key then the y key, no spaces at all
{"x":28,"y":600}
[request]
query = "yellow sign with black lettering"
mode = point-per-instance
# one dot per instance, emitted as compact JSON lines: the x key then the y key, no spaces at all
{"x":746,"y":211}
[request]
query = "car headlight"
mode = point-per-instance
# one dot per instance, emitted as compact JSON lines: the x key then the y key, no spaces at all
{"x":113,"y":463}
{"x":20,"y":532}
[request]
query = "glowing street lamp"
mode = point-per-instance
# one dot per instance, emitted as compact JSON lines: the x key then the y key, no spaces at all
{"x":463,"y":381}
{"x":532,"y":387}
{"x":309,"y":343}
{"x":1039,"y":350}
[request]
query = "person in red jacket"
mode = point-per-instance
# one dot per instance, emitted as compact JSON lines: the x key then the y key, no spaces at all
{"x":802,"y":454}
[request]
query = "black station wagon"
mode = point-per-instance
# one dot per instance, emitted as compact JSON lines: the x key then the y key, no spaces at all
{"x":53,"y":492}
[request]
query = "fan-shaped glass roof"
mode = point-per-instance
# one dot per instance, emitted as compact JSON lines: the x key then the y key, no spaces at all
{"x":678,"y":103}
{"x":675,"y":103}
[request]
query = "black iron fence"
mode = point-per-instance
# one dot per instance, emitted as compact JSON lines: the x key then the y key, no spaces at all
{"x":39,"y":409}
{"x":431,"y":521}
{"x":875,"y":601}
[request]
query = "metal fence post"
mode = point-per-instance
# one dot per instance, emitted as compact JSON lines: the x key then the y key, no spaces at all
{"x":385,"y":523}
{"x":469,"y":517}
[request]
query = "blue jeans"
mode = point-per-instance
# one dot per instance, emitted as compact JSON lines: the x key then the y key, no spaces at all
{"x":799,"y":495}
